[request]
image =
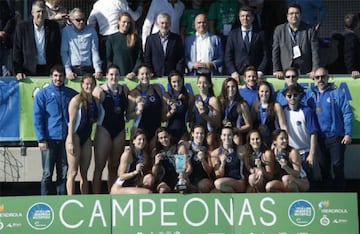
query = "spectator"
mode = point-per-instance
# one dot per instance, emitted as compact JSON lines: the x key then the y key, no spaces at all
{"x":303,"y":128}
{"x":187,"y":26}
{"x":83,"y":112}
{"x":335,"y":117}
{"x":105,"y":17}
{"x":109,"y":139}
{"x":313,"y":11}
{"x":228,"y":165}
{"x":249,"y":91}
{"x":36,"y":44}
{"x":124,"y":47}
{"x":246,"y":46}
{"x":56,"y":11}
{"x":164,"y":50}
{"x":51,"y":119}
{"x":79,"y":47}
{"x":203,"y":51}
{"x":351,"y":46}
{"x":173,"y":8}
{"x":135,"y":168}
{"x":288,"y":174}
{"x":291,"y":78}
{"x":7,"y":28}
{"x":295,"y":45}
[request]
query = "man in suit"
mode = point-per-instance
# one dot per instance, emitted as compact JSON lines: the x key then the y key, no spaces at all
{"x":245,"y":46}
{"x":36,"y":44}
{"x":203,"y":50}
{"x":164,"y":50}
{"x":295,"y":44}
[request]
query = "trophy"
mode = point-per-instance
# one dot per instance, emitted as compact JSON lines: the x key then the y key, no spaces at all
{"x":180,"y":164}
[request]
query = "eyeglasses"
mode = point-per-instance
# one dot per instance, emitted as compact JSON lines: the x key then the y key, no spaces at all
{"x":79,"y":20}
{"x":295,"y":95}
{"x":321,"y":77}
{"x":290,"y":76}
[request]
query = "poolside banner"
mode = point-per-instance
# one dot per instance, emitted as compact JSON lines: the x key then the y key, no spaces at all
{"x":30,"y":86}
{"x":176,"y":214}
{"x":9,"y":110}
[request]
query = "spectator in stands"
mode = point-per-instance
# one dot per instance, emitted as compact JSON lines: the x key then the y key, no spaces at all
{"x":164,"y":50}
{"x":36,"y":44}
{"x":313,"y":11}
{"x":51,"y":119}
{"x":124,"y":47}
{"x":228,"y":164}
{"x":56,"y":11}
{"x":335,"y":117}
{"x":246,"y":46}
{"x":135,"y":168}
{"x":234,"y":110}
{"x":351,"y":45}
{"x":187,"y":26}
{"x":291,"y":78}
{"x":295,"y":44}
{"x":249,"y":91}
{"x":302,"y":128}
{"x":79,"y":47}
{"x":109,"y":139}
{"x":258,"y":162}
{"x":178,"y":101}
{"x":7,"y":28}
{"x":173,"y":8}
{"x":289,"y":176}
{"x":222,"y":15}
{"x":267,"y":114}
{"x":105,"y":17}
{"x":203,"y":51}
{"x":146,"y":105}
{"x":83,"y":112}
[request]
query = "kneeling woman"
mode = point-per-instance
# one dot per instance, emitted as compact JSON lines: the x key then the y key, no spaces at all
{"x":288,"y":174}
{"x":134,"y":170}
{"x":228,"y":164}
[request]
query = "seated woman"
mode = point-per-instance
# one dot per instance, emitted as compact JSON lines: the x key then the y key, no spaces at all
{"x":134,"y":170}
{"x":288,"y":174}
{"x":228,"y":164}
{"x":164,"y":167}
{"x":201,"y":171}
{"x":259,"y":162}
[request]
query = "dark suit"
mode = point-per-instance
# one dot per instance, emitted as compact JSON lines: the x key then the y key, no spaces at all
{"x":25,"y":52}
{"x":160,"y":63}
{"x":238,"y":56}
{"x":282,"y":52}
{"x":351,"y":52}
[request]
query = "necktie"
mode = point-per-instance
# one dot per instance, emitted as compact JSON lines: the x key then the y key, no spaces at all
{"x":247,"y":40}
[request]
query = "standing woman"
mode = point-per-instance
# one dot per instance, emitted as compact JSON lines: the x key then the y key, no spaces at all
{"x":288,"y":174}
{"x":110,"y":131}
{"x":124,"y":47}
{"x":206,"y":109}
{"x":83,"y":112}
{"x":146,"y":105}
{"x":135,"y":168}
{"x":228,"y":164}
{"x":234,"y":109}
{"x":259,"y":162}
{"x":267,"y":114}
{"x":178,"y":103}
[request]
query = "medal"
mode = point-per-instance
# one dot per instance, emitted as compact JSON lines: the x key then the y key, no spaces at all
{"x":117,"y":109}
{"x":318,"y":109}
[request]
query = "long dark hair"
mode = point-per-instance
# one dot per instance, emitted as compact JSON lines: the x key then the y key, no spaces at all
{"x":248,"y":146}
{"x":223,"y":97}
{"x":208,"y":79}
{"x":183,"y":90}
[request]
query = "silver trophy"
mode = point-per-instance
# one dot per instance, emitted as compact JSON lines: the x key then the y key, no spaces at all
{"x":180,"y":164}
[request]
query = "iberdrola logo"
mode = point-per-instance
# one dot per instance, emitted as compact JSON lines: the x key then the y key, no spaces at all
{"x":324,"y":204}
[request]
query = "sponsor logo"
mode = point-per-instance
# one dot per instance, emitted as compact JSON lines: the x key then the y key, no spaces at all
{"x":40,"y":216}
{"x":301,"y":213}
{"x":4,"y":214}
{"x":324,"y":220}
{"x":326,"y":208}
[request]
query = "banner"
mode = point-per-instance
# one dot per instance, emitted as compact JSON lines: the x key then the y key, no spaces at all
{"x":31,"y":85}
{"x":9,"y":110}
{"x":176,"y":214}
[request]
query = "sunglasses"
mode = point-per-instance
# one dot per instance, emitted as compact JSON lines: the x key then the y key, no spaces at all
{"x":295,"y":95}
{"x":80,"y":20}
{"x":320,"y":77}
{"x":291,"y":76}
